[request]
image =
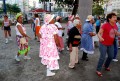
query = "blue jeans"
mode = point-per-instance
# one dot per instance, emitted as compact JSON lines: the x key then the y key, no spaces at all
{"x":103,"y":51}
{"x":115,"y":49}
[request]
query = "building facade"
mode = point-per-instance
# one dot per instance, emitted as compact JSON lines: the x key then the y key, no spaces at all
{"x":113,"y":5}
{"x":24,"y":5}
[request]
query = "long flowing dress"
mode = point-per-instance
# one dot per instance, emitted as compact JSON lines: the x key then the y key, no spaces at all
{"x":87,"y":40}
{"x":48,"y":49}
{"x":22,"y":48}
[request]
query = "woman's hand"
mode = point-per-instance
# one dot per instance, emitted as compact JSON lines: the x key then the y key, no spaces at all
{"x":28,"y":37}
{"x":39,"y":35}
{"x":101,"y":39}
{"x":100,"y":35}
{"x":92,"y":34}
{"x":1,"y":28}
{"x":70,"y":48}
{"x":57,"y":40}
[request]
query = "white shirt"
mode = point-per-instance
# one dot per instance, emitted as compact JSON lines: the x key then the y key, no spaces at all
{"x":70,"y":24}
{"x":60,"y":32}
{"x":17,"y":31}
{"x":6,"y":23}
{"x":38,"y":24}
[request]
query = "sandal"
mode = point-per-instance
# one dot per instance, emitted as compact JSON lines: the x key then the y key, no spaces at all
{"x":99,"y":73}
{"x":108,"y":69}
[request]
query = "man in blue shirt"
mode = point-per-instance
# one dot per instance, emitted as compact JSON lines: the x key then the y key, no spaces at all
{"x":98,"y":24}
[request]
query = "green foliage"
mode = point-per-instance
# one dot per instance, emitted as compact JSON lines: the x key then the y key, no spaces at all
{"x":58,"y":9}
{"x":0,"y":23}
{"x":100,"y":2}
{"x":13,"y":8}
{"x":64,"y":2}
{"x":1,"y":10}
{"x":97,"y":7}
{"x":43,"y":0}
{"x":60,"y":2}
{"x":117,"y":11}
{"x":97,"y":10}
{"x":9,"y":7}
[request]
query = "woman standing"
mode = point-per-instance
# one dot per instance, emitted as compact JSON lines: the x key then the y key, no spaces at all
{"x":98,"y":24}
{"x":86,"y":40}
{"x":106,"y":37}
{"x":37,"y":25}
{"x":60,"y":32}
{"x":33,"y":26}
{"x":22,"y":38}
{"x":74,"y":42}
{"x":6,"y":26}
{"x":69,"y":25}
{"x":118,"y":25}
{"x":48,"y":42}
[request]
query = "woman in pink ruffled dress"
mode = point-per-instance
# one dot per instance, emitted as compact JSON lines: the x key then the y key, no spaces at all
{"x":48,"y":41}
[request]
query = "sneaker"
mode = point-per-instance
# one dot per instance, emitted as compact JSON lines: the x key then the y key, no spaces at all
{"x":6,"y":41}
{"x":49,"y":73}
{"x":67,"y":48}
{"x":27,"y":57}
{"x":115,"y":60}
{"x":17,"y":58}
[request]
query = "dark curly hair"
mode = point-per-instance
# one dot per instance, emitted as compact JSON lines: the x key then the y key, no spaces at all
{"x":110,"y":15}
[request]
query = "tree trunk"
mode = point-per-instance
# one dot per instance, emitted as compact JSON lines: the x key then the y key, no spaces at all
{"x":85,"y":9}
{"x":75,"y":8}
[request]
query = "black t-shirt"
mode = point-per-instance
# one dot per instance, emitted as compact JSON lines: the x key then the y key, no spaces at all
{"x":74,"y":37}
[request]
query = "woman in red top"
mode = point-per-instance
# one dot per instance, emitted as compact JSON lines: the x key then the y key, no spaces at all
{"x":106,"y":37}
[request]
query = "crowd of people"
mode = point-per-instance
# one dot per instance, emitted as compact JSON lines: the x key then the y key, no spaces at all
{"x":80,"y":36}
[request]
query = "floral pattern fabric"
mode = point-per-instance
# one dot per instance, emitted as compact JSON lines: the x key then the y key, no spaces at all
{"x":48,"y":49}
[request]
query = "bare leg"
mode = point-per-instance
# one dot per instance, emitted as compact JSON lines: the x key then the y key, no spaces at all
{"x":17,"y":57}
{"x":26,"y":56}
{"x":18,"y":54}
{"x":6,"y":37}
{"x":35,"y":36}
{"x":5,"y":33}
{"x":26,"y":53}
{"x":9,"y":33}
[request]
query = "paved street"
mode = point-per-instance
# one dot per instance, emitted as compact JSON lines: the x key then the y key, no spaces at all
{"x":33,"y":70}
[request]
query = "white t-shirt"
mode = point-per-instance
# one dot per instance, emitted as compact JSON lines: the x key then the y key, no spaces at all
{"x":60,"y":32}
{"x":38,"y":24}
{"x":6,"y":23}
{"x":17,"y":31}
{"x":70,"y":24}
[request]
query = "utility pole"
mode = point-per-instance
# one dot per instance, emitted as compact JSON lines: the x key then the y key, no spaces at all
{"x":50,"y":5}
{"x":4,"y":7}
